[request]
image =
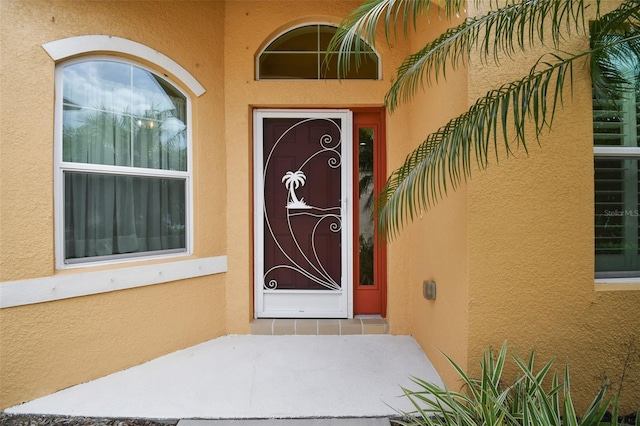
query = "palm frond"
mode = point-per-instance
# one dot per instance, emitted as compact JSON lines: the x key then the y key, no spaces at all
{"x":445,"y":158}
{"x":613,"y":69}
{"x":362,"y":24}
{"x":510,"y":29}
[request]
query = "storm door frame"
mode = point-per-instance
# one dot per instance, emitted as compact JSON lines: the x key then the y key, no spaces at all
{"x":347,"y":255}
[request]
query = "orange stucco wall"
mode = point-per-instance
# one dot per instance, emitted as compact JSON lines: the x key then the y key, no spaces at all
{"x":511,"y":251}
{"x":531,"y":250}
{"x":437,"y":240}
{"x":49,"y":346}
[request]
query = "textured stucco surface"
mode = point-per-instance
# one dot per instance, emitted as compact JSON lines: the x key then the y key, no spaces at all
{"x":530,"y":250}
{"x":53,"y":345}
{"x":50,"y":346}
{"x":511,"y":251}
{"x":438,"y":238}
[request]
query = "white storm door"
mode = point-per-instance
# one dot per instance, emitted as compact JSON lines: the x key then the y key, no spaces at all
{"x":303,"y":244}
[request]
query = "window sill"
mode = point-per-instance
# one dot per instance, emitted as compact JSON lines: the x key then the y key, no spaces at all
{"x":69,"y":285}
{"x":617,"y":284}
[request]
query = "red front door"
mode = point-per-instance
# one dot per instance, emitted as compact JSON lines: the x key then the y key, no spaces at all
{"x":370,"y":262}
{"x":316,"y":251}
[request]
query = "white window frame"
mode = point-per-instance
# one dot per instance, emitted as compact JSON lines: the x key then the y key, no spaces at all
{"x":620,"y":153}
{"x":66,"y":48}
{"x":61,"y":166}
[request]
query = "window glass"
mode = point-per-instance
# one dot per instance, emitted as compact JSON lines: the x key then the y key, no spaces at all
{"x":302,"y":54}
{"x":617,"y":179}
{"x":617,"y":213}
{"x":124,"y":169}
{"x":326,"y":33}
{"x":365,"y":190}
{"x":118,"y":114}
{"x":368,"y":66}
{"x":289,"y":65}
{"x":299,"y":40}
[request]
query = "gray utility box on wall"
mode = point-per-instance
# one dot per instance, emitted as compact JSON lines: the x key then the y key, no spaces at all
{"x":429,"y":290}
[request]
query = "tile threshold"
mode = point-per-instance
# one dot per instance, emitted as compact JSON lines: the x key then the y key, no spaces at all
{"x":357,"y":325}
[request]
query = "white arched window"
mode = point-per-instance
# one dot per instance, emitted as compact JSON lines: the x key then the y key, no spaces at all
{"x":122,"y":162}
{"x":122,"y":175}
{"x":301,"y":53}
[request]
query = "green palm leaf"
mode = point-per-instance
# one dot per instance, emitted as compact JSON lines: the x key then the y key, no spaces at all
{"x":507,"y":30}
{"x":444,"y":159}
{"x":503,"y":119}
{"x":362,"y":24}
{"x":615,"y":31}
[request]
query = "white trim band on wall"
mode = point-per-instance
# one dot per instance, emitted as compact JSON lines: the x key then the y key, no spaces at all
{"x":68,"y":47}
{"x":47,"y":289}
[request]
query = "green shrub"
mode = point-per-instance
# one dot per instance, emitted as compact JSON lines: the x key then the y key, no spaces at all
{"x":489,"y":401}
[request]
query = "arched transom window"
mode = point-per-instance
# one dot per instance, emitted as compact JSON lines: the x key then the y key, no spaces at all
{"x":301,"y":54}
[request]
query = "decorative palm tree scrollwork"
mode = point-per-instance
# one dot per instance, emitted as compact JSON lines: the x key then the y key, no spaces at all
{"x":292,"y":181}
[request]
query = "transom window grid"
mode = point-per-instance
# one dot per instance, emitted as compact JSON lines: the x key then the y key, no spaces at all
{"x":301,"y":53}
{"x":122,"y":163}
{"x":617,"y":189}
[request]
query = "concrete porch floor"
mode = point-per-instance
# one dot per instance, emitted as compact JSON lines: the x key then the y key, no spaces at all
{"x":255,"y":377}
